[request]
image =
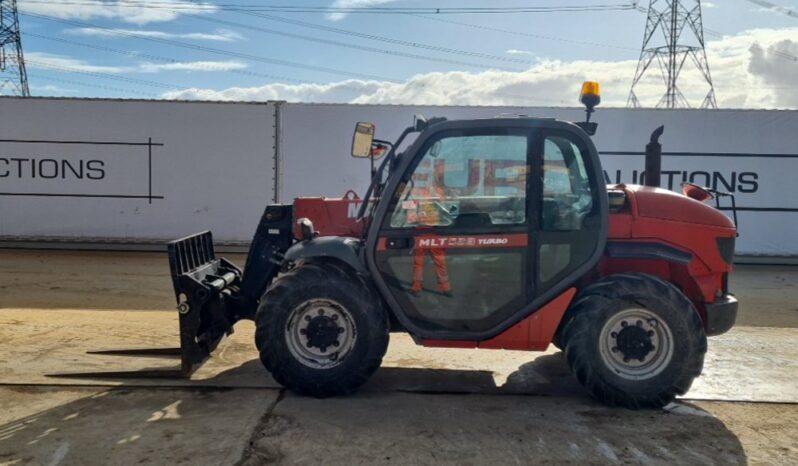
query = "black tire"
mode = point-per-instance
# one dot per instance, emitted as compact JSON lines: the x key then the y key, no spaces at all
{"x":559,"y":340}
{"x":606,"y":362}
{"x":345,"y":298}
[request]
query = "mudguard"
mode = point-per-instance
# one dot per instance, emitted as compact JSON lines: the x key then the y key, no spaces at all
{"x":343,"y":248}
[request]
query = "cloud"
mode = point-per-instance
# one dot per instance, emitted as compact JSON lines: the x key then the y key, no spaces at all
{"x":220,"y":35}
{"x":46,"y":61}
{"x":776,"y":68}
{"x":353,"y":4}
{"x":745,"y":76}
{"x":51,"y":89}
{"x":519,"y":52}
{"x":342,"y":91}
{"x":136,"y":13}
{"x":59,"y":62}
{"x":192,"y":66}
{"x":551,"y":83}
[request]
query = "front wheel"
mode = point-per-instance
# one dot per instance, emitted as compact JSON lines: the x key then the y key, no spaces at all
{"x":319,"y":331}
{"x":634,"y":341}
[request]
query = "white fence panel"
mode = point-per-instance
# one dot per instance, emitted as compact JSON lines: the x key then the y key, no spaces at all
{"x":134,"y":170}
{"x":753,"y":154}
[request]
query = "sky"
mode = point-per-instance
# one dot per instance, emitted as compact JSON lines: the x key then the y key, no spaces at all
{"x":244,"y":50}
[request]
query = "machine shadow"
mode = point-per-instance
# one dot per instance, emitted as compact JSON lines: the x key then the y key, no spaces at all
{"x":546,"y":375}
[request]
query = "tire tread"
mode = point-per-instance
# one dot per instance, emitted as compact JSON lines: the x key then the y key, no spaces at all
{"x":316,"y":280}
{"x":639,"y":289}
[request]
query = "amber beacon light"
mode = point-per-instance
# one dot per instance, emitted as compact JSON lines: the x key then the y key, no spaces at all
{"x":590,"y":95}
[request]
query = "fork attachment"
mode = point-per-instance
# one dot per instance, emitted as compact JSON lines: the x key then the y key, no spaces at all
{"x":212,"y":294}
{"x":207,"y":295}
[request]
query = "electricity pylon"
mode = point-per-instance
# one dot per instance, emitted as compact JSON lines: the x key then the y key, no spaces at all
{"x":674,"y":34}
{"x":13,"y":78}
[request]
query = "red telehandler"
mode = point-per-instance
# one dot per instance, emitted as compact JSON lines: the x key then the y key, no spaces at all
{"x":492,"y":234}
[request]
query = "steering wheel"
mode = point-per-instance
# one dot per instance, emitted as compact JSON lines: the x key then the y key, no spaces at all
{"x":448,"y":218}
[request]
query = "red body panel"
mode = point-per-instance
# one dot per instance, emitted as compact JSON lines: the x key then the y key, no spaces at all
{"x":531,"y":334}
{"x":655,"y":215}
{"x":330,"y":216}
{"x":651,"y":215}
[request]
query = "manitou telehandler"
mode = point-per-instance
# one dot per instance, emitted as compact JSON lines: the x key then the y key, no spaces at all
{"x":494,"y":233}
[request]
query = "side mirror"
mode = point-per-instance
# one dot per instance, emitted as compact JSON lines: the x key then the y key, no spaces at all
{"x":420,"y":122}
{"x":362,"y":140}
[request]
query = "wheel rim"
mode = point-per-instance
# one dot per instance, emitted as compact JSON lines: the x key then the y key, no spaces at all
{"x":636,"y":344}
{"x":320,"y":333}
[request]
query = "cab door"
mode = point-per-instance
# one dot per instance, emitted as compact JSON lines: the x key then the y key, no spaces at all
{"x":458,"y":243}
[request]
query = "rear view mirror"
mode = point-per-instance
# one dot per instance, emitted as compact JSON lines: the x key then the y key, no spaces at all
{"x":362,"y":140}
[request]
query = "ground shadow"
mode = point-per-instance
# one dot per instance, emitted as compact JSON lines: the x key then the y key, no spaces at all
{"x":389,"y":427}
{"x":547,"y":375}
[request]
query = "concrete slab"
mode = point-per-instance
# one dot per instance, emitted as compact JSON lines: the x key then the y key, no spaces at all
{"x":476,"y":429}
{"x":80,"y":426}
{"x":70,"y":426}
{"x":747,"y":364}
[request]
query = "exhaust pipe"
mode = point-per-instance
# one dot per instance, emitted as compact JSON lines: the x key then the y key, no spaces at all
{"x":653,"y":176}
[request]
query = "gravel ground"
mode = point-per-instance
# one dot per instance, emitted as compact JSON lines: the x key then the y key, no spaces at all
{"x":425,"y":407}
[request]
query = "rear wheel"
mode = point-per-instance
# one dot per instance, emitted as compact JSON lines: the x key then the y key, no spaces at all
{"x":319,"y":331}
{"x":634,"y":341}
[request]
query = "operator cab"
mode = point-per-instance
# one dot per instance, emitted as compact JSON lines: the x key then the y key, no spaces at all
{"x":486,"y":220}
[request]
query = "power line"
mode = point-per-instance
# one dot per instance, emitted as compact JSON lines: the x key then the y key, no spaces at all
{"x":203,"y":48}
{"x":392,"y":40}
{"x":777,"y":8}
{"x":523,"y":34}
{"x":100,"y":74}
{"x":444,"y":10}
{"x":150,"y":56}
{"x":389,"y":40}
{"x":348,"y":10}
{"x":347,"y":45}
{"x":160,"y":58}
{"x":97,"y":86}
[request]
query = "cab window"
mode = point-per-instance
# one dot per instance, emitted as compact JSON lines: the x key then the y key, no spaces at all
{"x":466,"y":181}
{"x":566,"y":238}
{"x":567,"y":198}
